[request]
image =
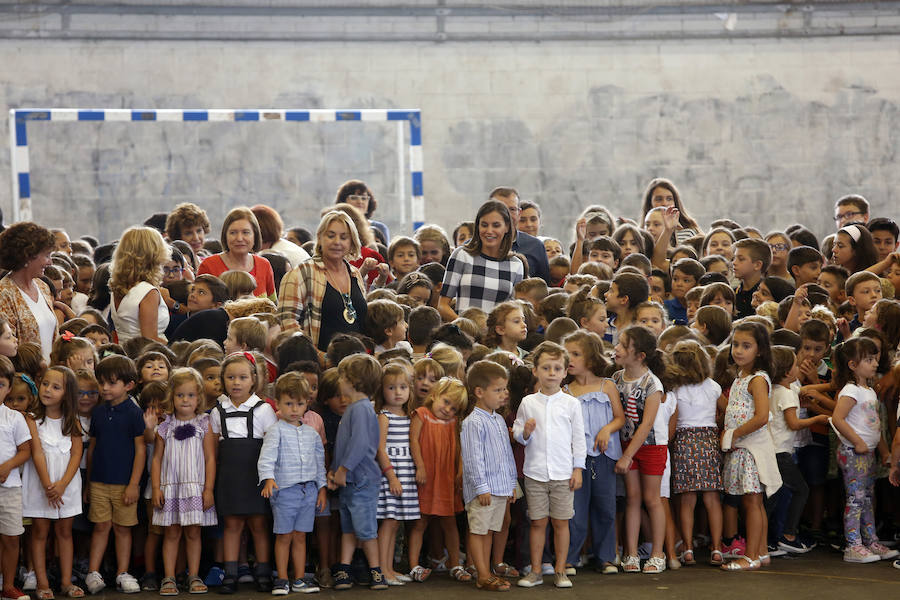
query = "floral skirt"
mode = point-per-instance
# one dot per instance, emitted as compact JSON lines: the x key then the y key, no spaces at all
{"x":741,"y":474}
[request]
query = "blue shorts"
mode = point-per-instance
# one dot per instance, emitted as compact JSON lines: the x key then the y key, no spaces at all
{"x":294,"y":508}
{"x":359,"y":502}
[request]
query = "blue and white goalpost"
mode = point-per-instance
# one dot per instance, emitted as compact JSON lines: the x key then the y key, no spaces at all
{"x":20,"y":118}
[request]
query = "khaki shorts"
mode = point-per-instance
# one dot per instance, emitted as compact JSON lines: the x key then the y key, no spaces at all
{"x":11,"y":511}
{"x":551,"y":499}
{"x":486,"y":518}
{"x":107,"y":505}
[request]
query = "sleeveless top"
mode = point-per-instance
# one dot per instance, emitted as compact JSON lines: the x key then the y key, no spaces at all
{"x":125,"y":317}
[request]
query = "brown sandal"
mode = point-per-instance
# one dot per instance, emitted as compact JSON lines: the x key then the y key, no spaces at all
{"x":493,"y":584}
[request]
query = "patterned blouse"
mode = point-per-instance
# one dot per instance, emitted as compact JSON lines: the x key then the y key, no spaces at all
{"x":301,"y":295}
{"x":14,"y":308}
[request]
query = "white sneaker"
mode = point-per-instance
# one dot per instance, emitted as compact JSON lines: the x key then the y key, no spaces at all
{"x":29,"y":582}
{"x":94,"y":582}
{"x":127,"y":584}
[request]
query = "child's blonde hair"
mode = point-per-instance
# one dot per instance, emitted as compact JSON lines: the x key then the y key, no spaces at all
{"x":249,"y":332}
{"x":179,"y":377}
{"x":239,"y":358}
{"x":67,"y":345}
{"x":451,"y":388}
{"x":449,"y":358}
{"x":394,"y":369}
{"x":687,"y":363}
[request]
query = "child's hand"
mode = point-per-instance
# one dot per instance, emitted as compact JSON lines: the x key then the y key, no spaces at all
{"x":529,"y":428}
{"x":894,"y":476}
{"x":885,"y":457}
{"x":55,"y":492}
{"x":601,"y":442}
{"x":821,"y":420}
{"x":394,"y":485}
{"x":808,"y":372}
{"x":623,"y":465}
{"x":861,"y":448}
{"x":157,"y":499}
{"x":844,"y":327}
{"x":329,"y":479}
{"x":671,"y":216}
{"x":340,"y":477}
{"x":581,"y":228}
{"x":150,"y":420}
{"x":321,"y":500}
{"x":421,"y":476}
{"x":131,"y":494}
{"x":268,"y":487}
{"x":86,"y":493}
{"x":575,"y":480}
{"x":801,"y":294}
{"x":484,"y":499}
{"x":209,"y":499}
{"x":4,"y":472}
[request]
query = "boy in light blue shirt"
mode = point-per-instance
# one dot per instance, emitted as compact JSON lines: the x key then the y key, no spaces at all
{"x":292,"y":466}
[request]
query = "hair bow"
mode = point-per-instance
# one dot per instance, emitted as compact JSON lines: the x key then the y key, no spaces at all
{"x":67,"y":335}
{"x":516,"y":361}
{"x":247,"y":355}
{"x":30,"y":383}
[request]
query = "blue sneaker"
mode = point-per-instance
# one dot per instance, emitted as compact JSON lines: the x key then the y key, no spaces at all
{"x":245,"y":575}
{"x":281,"y":587}
{"x":342,"y":579}
{"x":214,"y":577}
{"x":304,"y":587}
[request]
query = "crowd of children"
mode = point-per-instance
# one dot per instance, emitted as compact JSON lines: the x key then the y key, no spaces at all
{"x":574,"y":424}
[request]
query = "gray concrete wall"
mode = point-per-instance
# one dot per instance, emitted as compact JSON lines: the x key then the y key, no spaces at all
{"x":765,"y":131}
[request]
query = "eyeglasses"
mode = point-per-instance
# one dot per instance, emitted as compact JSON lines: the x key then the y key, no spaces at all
{"x":172,"y":270}
{"x":88,"y":393}
{"x":847,"y":215}
{"x":359,"y":198}
{"x":779,"y":247}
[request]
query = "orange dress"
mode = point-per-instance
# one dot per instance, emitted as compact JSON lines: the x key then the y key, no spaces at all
{"x":440,"y":453}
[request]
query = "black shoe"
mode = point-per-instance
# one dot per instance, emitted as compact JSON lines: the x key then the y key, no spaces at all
{"x":229,"y":585}
{"x":342,"y":579}
{"x":264,"y":583}
{"x":377,"y":579}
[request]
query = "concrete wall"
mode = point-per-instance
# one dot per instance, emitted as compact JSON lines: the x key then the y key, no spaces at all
{"x":767,"y":132}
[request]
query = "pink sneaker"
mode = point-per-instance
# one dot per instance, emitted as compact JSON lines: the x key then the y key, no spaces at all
{"x":737,"y":548}
{"x":859,"y":554}
{"x":883,"y":552}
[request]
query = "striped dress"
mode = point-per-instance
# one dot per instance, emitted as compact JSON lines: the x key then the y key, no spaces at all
{"x":183,"y":473}
{"x":406,"y":506}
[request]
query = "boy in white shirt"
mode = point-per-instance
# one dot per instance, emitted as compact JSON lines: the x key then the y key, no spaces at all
{"x":15,"y":450}
{"x":550,"y":426}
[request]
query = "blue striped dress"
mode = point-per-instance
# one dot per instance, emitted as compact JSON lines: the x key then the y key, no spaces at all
{"x":406,"y":506}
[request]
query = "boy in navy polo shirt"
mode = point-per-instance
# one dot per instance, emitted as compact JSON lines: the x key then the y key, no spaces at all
{"x":115,"y":463}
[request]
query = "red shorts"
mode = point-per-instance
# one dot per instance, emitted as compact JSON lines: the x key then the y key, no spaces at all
{"x":650,"y":460}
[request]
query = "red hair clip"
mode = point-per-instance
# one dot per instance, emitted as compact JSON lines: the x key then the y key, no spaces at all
{"x":247,"y":355}
{"x":67,"y":335}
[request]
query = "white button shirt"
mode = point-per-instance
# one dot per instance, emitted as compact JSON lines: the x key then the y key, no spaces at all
{"x":556,"y":446}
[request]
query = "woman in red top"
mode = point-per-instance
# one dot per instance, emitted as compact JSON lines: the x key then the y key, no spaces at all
{"x":241,"y":238}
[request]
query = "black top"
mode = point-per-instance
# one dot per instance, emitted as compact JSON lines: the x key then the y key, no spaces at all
{"x":211,"y":323}
{"x":333,"y":321}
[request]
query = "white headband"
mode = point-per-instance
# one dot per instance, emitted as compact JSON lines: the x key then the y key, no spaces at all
{"x":853,"y":231}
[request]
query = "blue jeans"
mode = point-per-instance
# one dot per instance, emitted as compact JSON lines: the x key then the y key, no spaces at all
{"x":595,"y":505}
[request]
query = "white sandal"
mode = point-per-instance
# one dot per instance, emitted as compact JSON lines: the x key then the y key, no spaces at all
{"x":631,"y":564}
{"x":654,"y":565}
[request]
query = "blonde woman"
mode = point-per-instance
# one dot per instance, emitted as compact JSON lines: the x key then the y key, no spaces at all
{"x":136,"y":307}
{"x":325,"y":295}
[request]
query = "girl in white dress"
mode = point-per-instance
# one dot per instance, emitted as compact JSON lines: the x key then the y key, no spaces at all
{"x":51,"y":482}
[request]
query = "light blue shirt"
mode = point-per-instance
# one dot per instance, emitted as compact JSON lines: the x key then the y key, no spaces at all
{"x":488,"y":464}
{"x":291,"y":455}
{"x":596,"y":411}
